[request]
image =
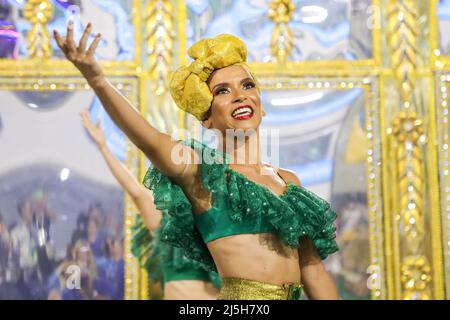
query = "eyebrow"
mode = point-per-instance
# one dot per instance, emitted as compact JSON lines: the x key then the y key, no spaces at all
{"x":226,"y":83}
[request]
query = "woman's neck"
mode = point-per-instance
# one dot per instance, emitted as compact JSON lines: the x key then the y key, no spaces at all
{"x":244,"y":149}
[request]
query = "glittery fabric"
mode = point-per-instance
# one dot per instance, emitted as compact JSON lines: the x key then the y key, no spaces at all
{"x":242,"y":289}
{"x":296,"y":213}
{"x":164,"y":262}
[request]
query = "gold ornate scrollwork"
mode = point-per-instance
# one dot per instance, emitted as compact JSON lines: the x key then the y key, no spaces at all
{"x":281,"y":44}
{"x":407,"y":130}
{"x":403,"y":44}
{"x":159,"y":24}
{"x":160,"y":37}
{"x":407,"y":139}
{"x":39,"y":12}
{"x":416,"y":276}
{"x":407,"y":136}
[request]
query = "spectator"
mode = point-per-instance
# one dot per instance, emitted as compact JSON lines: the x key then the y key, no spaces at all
{"x":80,"y":232}
{"x":42,"y":217}
{"x":95,"y":212}
{"x":25,"y":275}
{"x":64,"y":284}
{"x":23,"y":242}
{"x":111,"y":284}
{"x":95,"y":240}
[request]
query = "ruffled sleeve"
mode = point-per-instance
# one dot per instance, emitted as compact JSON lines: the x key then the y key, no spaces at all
{"x":178,"y":228}
{"x":144,"y":248}
{"x":316,"y":219}
{"x":155,"y":256}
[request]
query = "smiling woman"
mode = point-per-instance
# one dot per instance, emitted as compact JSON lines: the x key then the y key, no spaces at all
{"x":234,"y":101}
{"x":251,"y":222}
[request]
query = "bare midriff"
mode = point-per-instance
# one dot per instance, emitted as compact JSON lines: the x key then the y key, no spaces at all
{"x":260,"y":257}
{"x":190,"y":290}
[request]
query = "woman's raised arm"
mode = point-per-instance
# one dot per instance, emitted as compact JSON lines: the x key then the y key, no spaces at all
{"x":140,"y":195}
{"x":156,"y":145}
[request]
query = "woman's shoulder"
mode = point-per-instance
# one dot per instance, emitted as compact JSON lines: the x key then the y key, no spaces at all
{"x":289,"y":176}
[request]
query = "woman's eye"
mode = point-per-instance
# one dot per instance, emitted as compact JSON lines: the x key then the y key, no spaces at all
{"x":222,"y":90}
{"x":249,"y":85}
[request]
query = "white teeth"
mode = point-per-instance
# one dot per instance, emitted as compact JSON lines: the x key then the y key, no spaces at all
{"x":241,"y":112}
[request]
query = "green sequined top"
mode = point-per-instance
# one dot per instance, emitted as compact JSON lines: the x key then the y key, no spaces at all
{"x":239,"y":205}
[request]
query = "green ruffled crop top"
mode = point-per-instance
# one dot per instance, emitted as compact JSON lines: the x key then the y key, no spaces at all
{"x":239,"y":206}
{"x":217,"y":222}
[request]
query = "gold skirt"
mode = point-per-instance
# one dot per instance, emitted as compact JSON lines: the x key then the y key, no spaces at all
{"x":242,"y":289}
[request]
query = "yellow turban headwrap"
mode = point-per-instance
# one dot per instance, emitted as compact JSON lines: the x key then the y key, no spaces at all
{"x":188,"y":84}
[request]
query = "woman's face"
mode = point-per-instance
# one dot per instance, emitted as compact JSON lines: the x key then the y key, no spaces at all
{"x":236,"y":100}
{"x":83,"y":257}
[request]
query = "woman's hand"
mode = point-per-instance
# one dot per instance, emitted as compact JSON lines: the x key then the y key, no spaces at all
{"x":94,"y":130}
{"x":81,"y":58}
{"x":157,"y":146}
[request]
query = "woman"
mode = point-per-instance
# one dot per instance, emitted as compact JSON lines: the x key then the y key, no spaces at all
{"x":76,"y":277}
{"x":263,"y":232}
{"x":182,"y":278}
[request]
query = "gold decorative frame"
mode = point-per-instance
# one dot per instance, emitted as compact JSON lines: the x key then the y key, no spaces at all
{"x":400,"y":77}
{"x":342,"y":75}
{"x":443,"y":132}
{"x":60,"y":67}
{"x":48,"y":73}
{"x":129,"y":86}
{"x":387,"y":68}
{"x":369,"y":85}
{"x":390,"y":99}
{"x":331,"y":67}
{"x":441,"y":87}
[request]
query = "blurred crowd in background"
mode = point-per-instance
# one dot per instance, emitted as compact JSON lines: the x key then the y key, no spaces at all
{"x":29,"y":269}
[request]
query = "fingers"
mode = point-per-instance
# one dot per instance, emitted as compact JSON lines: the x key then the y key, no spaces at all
{"x":94,"y":45}
{"x":83,"y":113}
{"x":84,"y":38}
{"x":69,"y":40}
{"x":83,"y":120}
{"x":68,"y":46}
{"x":86,"y":119}
{"x":59,"y":40}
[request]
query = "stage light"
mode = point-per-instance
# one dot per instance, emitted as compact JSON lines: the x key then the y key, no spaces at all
{"x":64,"y":175}
{"x":296,"y":100}
{"x":313,"y":14}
